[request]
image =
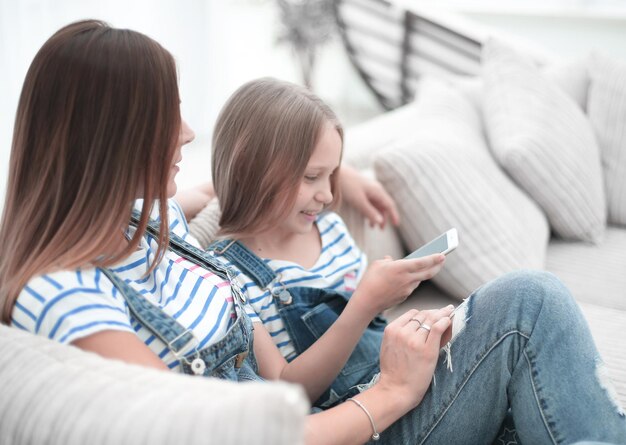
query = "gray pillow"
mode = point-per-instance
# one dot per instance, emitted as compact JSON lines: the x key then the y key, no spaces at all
{"x":443,"y":177}
{"x":544,"y":141}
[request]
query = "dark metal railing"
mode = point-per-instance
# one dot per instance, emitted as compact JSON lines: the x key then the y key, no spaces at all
{"x":408,"y":45}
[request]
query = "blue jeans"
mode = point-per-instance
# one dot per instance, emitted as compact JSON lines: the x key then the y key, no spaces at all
{"x":525,"y":346}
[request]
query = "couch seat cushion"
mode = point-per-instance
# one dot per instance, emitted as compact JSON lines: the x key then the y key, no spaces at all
{"x":594,"y":273}
{"x":607,"y":326}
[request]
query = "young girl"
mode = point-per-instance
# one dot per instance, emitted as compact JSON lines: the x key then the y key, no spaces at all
{"x":276,"y":155}
{"x":98,"y":125}
{"x":279,"y":146}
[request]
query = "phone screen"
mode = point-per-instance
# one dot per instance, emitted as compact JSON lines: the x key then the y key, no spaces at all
{"x":438,"y":245}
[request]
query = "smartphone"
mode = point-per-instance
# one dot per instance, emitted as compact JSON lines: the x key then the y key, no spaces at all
{"x":444,"y":243}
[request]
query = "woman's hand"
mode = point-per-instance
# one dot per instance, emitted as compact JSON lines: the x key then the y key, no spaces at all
{"x":193,"y":200}
{"x":368,"y":197}
{"x":409,"y":353}
{"x":387,"y":282}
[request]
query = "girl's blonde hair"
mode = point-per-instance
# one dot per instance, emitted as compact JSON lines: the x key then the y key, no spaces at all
{"x":97,"y":123}
{"x":262,"y":143}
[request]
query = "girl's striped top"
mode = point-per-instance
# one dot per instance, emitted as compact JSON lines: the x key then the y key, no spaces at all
{"x":71,"y":304}
{"x":339,"y":266}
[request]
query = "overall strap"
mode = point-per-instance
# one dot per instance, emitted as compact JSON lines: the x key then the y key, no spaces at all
{"x":166,"y":328}
{"x":245,"y":260}
{"x":185,"y":249}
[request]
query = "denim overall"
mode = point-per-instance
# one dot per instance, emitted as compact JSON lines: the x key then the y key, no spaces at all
{"x":231,"y":358}
{"x":307,"y":313}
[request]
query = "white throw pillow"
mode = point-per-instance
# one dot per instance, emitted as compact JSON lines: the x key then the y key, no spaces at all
{"x":572,"y":77}
{"x":544,"y":141}
{"x":443,"y":177}
{"x":607,"y":113}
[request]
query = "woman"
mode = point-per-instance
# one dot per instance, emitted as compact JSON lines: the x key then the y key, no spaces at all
{"x":98,"y":126}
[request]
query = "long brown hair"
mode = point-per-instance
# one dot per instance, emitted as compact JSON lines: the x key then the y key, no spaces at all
{"x":262,"y":143}
{"x":96,"y":126}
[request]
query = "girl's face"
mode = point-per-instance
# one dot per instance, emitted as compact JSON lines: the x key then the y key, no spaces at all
{"x":186,"y":135}
{"x":315,"y":189}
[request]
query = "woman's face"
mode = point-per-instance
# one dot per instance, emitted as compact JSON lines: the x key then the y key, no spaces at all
{"x":186,"y":135}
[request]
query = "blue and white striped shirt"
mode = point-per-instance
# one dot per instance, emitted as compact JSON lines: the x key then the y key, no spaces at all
{"x":339,"y":266}
{"x":72,"y":304}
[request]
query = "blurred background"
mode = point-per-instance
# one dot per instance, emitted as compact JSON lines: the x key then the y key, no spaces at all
{"x":220,"y":44}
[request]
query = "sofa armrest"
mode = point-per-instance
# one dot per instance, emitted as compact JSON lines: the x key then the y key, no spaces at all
{"x":53,"y":393}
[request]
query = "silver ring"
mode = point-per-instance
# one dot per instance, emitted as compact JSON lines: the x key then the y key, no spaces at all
{"x":415,"y":319}
{"x":424,"y":326}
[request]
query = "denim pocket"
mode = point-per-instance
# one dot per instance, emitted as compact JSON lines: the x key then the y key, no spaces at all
{"x":226,"y":370}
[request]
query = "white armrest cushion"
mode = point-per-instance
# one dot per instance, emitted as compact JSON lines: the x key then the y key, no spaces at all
{"x":53,"y":393}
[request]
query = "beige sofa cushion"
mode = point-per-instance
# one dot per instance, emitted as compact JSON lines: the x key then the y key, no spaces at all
{"x":443,"y":177}
{"x":572,"y":77}
{"x":53,"y":393}
{"x":544,"y":141}
{"x":205,"y":225}
{"x":607,"y":113}
{"x":362,"y":142}
{"x":595,"y":273}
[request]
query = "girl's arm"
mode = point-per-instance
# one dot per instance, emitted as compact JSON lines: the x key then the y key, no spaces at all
{"x":385,"y":283}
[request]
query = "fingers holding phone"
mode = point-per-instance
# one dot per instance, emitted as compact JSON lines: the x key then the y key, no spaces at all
{"x":426,"y":267}
{"x":428,"y":260}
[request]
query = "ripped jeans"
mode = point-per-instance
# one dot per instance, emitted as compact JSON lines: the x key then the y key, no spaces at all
{"x":524,"y":370}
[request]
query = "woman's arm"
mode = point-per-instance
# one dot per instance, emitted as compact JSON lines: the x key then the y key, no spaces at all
{"x":120,"y":345}
{"x":195,"y":199}
{"x":367,"y":196}
{"x":385,"y":283}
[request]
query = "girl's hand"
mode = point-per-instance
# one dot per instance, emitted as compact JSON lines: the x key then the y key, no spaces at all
{"x":409,"y":353}
{"x":387,"y":282}
{"x":368,"y":196}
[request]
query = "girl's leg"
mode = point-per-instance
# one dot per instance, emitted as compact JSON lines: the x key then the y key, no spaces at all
{"x":524,"y":344}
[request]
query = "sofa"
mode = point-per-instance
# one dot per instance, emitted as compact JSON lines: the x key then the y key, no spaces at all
{"x":449,"y":158}
{"x":56,"y":394}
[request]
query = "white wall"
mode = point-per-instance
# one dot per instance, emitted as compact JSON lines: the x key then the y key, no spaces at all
{"x":569,"y":35}
{"x":218,"y":44}
{"x":25,"y":25}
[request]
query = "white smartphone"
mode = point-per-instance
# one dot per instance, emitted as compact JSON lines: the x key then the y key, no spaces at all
{"x":444,"y":243}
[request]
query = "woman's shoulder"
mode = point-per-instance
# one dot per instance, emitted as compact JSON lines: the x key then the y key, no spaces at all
{"x":69,"y":304}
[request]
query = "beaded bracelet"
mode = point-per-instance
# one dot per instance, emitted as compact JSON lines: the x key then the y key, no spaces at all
{"x":375,"y":436}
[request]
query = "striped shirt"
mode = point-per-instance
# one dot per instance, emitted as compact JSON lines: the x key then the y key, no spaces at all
{"x":71,"y":304}
{"x":339,"y":267}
